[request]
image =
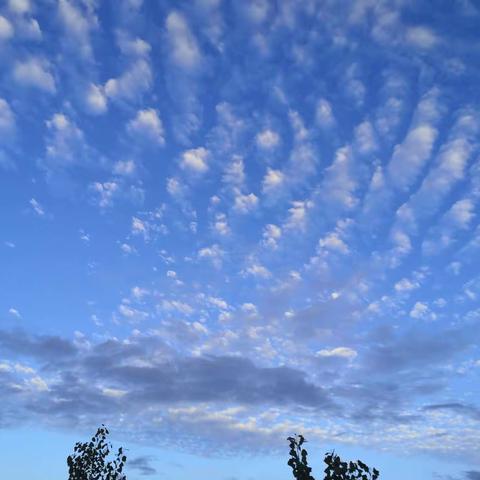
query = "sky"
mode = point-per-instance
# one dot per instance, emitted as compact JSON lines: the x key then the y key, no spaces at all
{"x":225,"y":222}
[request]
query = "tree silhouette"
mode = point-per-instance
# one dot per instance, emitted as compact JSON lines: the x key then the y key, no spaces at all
{"x":298,"y":458}
{"x":88,"y":461}
{"x":336,"y":469}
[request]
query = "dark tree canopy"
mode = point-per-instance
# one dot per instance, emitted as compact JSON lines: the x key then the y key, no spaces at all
{"x":89,"y":460}
{"x":298,"y":458}
{"x":336,"y":468}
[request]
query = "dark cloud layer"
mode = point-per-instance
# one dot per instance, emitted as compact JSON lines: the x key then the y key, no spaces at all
{"x":18,"y":342}
{"x":84,"y":381}
{"x":419,"y":347}
{"x":472,"y":475}
{"x":143,"y":374}
{"x":467,"y":410}
{"x":142,"y":465}
{"x":228,"y":379}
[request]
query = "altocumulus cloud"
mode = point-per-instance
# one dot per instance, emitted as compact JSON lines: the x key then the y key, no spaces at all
{"x":278,"y":214}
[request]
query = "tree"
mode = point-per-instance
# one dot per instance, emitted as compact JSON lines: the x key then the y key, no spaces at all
{"x":336,"y":469}
{"x":298,"y":458}
{"x":88,"y":461}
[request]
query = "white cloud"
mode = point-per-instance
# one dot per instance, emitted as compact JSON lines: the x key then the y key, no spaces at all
{"x":124,"y":168}
{"x":297,"y":214}
{"x":213,"y":253}
{"x":132,"y":84}
{"x":95,"y":99}
{"x":256,"y":10}
{"x":323,"y":114}
{"x":333,"y":242}
{"x":453,"y":160}
{"x":140,"y":227}
{"x":267,"y":139}
{"x":419,"y":310}
{"x":440,"y":302}
{"x":303,"y":159}
{"x":114,"y":392}
{"x":138,"y":293}
{"x":458,"y":217}
{"x":406,"y":285}
{"x":342,"y":352}
{"x":183,"y":48}
{"x":24,"y":369}
{"x":409,"y":157}
{"x":365,"y":138}
{"x":28,"y":28}
{"x":148,"y":124}
{"x":77,"y":26}
{"x":131,"y":313}
{"x":134,"y":4}
{"x":6,"y":29}
{"x":454,"y":267}
{"x":175,"y":188}
{"x":461,"y":213}
{"x":34,"y":72}
{"x":245,"y":203}
{"x":218,"y":302}
{"x":37,"y":208}
{"x":221,"y":225}
{"x":257,"y":270}
{"x":65,"y":145}
{"x":5,"y":367}
{"x":200,"y":327}
{"x":421,"y":37}
{"x":296,"y":121}
{"x":175,"y":305}
{"x":195,"y":160}
{"x":136,"y":47}
{"x":234,"y":174}
{"x":14,"y":313}
{"x":249,"y":309}
{"x":354,"y":87}
{"x":7,"y":118}
{"x":273,"y":181}
{"x":389,"y":114}
{"x":59,"y":122}
{"x":105,"y":192}
{"x":340,"y":183}
{"x":127,"y":249}
{"x":38,"y":384}
{"x":227,"y":132}
{"x":271,"y":234}
{"x":448,"y":169}
{"x":402,"y":247}
{"x":19,"y":6}
{"x":85,"y":237}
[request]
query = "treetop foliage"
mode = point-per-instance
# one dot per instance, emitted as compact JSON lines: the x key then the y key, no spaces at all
{"x":336,"y":468}
{"x":89,"y":460}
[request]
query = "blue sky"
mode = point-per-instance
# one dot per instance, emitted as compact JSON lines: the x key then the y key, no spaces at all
{"x":226,"y":222}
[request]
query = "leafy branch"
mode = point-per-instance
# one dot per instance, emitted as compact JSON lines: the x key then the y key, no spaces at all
{"x":336,"y":468}
{"x":88,"y":461}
